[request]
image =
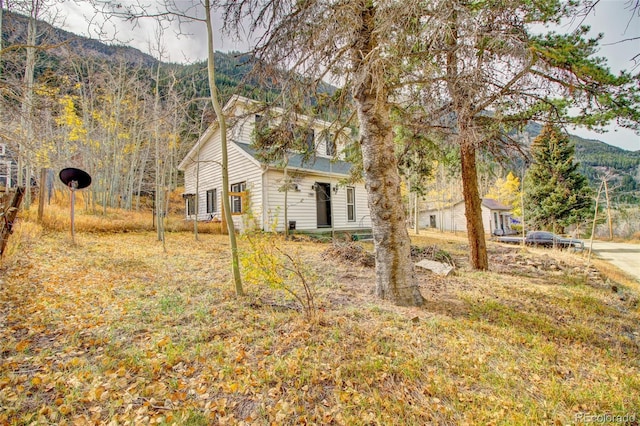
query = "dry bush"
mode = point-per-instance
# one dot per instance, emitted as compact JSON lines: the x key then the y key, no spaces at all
{"x":267,"y":261}
{"x":349,"y":252}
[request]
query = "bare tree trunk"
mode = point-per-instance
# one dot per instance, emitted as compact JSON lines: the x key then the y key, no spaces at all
{"x":42,"y":193}
{"x":286,"y":200}
{"x":10,"y":210}
{"x":143,"y":166}
{"x":196,"y":200}
{"x":395,"y":279}
{"x":235,"y":263}
{"x":472,"y":204}
{"x":460,"y":91}
{"x":416,"y":214}
{"x":159,"y":184}
{"x":26,"y":118}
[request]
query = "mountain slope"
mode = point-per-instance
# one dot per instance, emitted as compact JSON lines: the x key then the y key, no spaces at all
{"x":60,"y":48}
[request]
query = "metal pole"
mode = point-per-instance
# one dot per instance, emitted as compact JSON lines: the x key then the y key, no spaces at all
{"x":593,"y":226}
{"x":72,"y":186}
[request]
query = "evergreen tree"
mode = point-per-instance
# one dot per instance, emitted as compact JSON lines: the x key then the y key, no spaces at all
{"x":556,"y":194}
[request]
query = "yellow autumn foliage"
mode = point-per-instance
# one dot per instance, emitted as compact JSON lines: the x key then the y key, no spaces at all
{"x":508,"y":192}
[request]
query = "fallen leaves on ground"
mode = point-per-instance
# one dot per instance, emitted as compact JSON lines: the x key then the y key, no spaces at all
{"x":113,"y":330}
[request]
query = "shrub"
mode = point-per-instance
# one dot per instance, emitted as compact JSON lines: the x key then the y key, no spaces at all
{"x":266,"y":262}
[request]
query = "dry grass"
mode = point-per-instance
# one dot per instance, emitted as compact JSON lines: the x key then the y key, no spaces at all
{"x":114,"y":329}
{"x":88,"y":218}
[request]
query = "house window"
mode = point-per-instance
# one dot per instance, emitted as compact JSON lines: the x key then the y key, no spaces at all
{"x":351,"y":204}
{"x":236,"y":200}
{"x":309,"y":140}
{"x":5,"y":173}
{"x":260,"y":123}
{"x":330,"y":145}
{"x":191,"y":204}
{"x":212,"y":201}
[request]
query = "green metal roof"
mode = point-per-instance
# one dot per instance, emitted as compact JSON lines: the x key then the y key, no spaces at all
{"x":314,"y":164}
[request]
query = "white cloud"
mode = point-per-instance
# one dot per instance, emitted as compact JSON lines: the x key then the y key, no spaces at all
{"x":182,"y":41}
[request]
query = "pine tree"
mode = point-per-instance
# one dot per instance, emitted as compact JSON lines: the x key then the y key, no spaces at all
{"x":556,"y":194}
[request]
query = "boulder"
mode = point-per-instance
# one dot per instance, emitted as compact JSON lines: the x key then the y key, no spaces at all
{"x":438,"y":268}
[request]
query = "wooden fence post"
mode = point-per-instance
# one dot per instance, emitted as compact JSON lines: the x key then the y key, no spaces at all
{"x":8,"y":215}
{"x":42,"y":194}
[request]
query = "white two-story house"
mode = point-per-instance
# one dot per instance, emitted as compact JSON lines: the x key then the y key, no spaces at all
{"x":317,"y":196}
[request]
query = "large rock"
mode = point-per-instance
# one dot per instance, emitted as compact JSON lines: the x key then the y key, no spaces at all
{"x":435,"y":267}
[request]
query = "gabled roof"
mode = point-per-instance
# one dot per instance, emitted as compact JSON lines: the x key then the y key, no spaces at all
{"x":316,"y":164}
{"x":492,"y":204}
{"x":489,"y":203}
{"x":227,"y":109}
{"x":238,"y":102}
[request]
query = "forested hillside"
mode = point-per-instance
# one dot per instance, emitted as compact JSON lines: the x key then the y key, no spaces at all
{"x":95,"y":106}
{"x":599,"y":160}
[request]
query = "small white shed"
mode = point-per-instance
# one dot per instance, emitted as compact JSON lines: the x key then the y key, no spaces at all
{"x":496,"y":217}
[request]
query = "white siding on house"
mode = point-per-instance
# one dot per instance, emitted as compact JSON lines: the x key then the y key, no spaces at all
{"x":452,"y":218}
{"x":241,"y":169}
{"x":266,"y":208}
{"x":487,"y":220}
{"x":243,"y":132}
{"x":362,"y":213}
{"x":302,"y":204}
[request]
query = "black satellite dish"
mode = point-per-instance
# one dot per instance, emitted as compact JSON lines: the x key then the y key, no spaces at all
{"x":70,"y":175}
{"x":74,"y":179}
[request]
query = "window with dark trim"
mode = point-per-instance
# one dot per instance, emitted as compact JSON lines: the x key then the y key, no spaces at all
{"x":212,"y":201}
{"x":310,"y":137}
{"x":330,"y":145}
{"x":191,"y":204}
{"x":236,"y":200}
{"x":5,"y":173}
{"x":351,"y":204}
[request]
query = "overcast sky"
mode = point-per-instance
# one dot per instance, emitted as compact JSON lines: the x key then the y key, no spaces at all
{"x":611,"y":17}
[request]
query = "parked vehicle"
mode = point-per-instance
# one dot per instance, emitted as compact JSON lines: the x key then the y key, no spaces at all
{"x":544,"y":239}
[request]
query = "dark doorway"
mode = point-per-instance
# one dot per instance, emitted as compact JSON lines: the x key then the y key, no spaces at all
{"x":323,"y":204}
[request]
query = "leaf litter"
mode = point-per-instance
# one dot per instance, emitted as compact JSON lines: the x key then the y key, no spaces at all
{"x":113,"y":330}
